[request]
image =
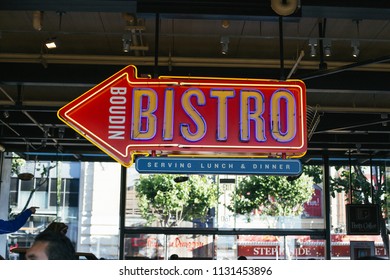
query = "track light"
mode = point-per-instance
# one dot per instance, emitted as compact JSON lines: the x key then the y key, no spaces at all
{"x":52,"y":43}
{"x":224,"y":44}
{"x":313,"y":44}
{"x":355,"y":43}
{"x":126,"y":46}
{"x":327,"y":49}
{"x":313,"y":51}
{"x":355,"y":48}
{"x":126,"y":39}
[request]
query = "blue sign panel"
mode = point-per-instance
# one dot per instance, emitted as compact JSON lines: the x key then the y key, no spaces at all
{"x":287,"y":167}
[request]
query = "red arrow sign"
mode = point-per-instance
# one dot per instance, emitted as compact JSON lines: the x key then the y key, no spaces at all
{"x":127,"y":115}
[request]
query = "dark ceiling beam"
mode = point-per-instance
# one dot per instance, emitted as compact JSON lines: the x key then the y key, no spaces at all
{"x":351,"y":66}
{"x":207,"y":7}
{"x":87,"y":76}
{"x":70,"y":6}
{"x":226,"y":7}
{"x":318,"y":9}
{"x":38,"y":109}
{"x":373,"y":9}
{"x":56,"y":74}
{"x":361,"y":9}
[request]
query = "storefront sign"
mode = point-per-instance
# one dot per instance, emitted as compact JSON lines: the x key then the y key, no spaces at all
{"x":218,"y":166}
{"x":126,"y":115}
{"x":362,"y":219}
{"x":313,"y":208}
{"x":268,"y":247}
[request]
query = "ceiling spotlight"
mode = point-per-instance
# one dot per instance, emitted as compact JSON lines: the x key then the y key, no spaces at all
{"x":355,"y":48}
{"x":224,"y":44}
{"x":225,"y":23}
{"x":126,"y":46}
{"x":52,"y":43}
{"x":126,"y":39}
{"x":313,"y":44}
{"x":327,"y":45}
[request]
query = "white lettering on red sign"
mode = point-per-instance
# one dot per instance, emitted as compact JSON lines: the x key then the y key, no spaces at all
{"x":117,"y":113}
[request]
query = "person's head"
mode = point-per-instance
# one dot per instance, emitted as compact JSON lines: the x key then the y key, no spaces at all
{"x":49,"y":245}
{"x":57,"y":227}
{"x":174,"y":257}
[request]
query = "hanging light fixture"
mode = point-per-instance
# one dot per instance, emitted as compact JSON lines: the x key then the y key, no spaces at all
{"x":313,"y":44}
{"x":327,"y":47}
{"x":52,"y":43}
{"x":126,"y":40}
{"x":355,"y":48}
{"x":224,"y":44}
{"x":355,"y":43}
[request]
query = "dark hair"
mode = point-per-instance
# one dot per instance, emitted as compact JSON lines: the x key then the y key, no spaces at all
{"x":59,"y":245}
{"x":174,"y":257}
{"x":57,"y":227}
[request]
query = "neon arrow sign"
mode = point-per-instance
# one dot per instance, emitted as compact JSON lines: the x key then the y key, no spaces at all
{"x":180,"y":116}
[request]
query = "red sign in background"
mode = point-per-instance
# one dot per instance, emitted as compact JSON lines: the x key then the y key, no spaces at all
{"x":127,"y":115}
{"x":269,"y":247}
{"x":313,"y":208}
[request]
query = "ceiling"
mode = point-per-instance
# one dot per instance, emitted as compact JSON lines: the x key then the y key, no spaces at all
{"x":348,"y":98}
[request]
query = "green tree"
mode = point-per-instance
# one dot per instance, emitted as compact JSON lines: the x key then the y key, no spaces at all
{"x":277,"y":196}
{"x":271,"y":195}
{"x":168,"y":202}
{"x":360,"y":189}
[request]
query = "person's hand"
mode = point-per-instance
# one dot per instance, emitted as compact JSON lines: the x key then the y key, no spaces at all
{"x":33,"y":209}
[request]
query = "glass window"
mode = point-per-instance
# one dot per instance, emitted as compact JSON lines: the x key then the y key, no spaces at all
{"x":73,"y":185}
{"x":161,"y":246}
{"x":41,"y":184}
{"x":55,"y":200}
{"x":53,"y":186}
{"x":144,"y":246}
{"x":71,"y":199}
{"x":13,"y":194}
{"x":27,"y":185}
{"x":170,"y":200}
